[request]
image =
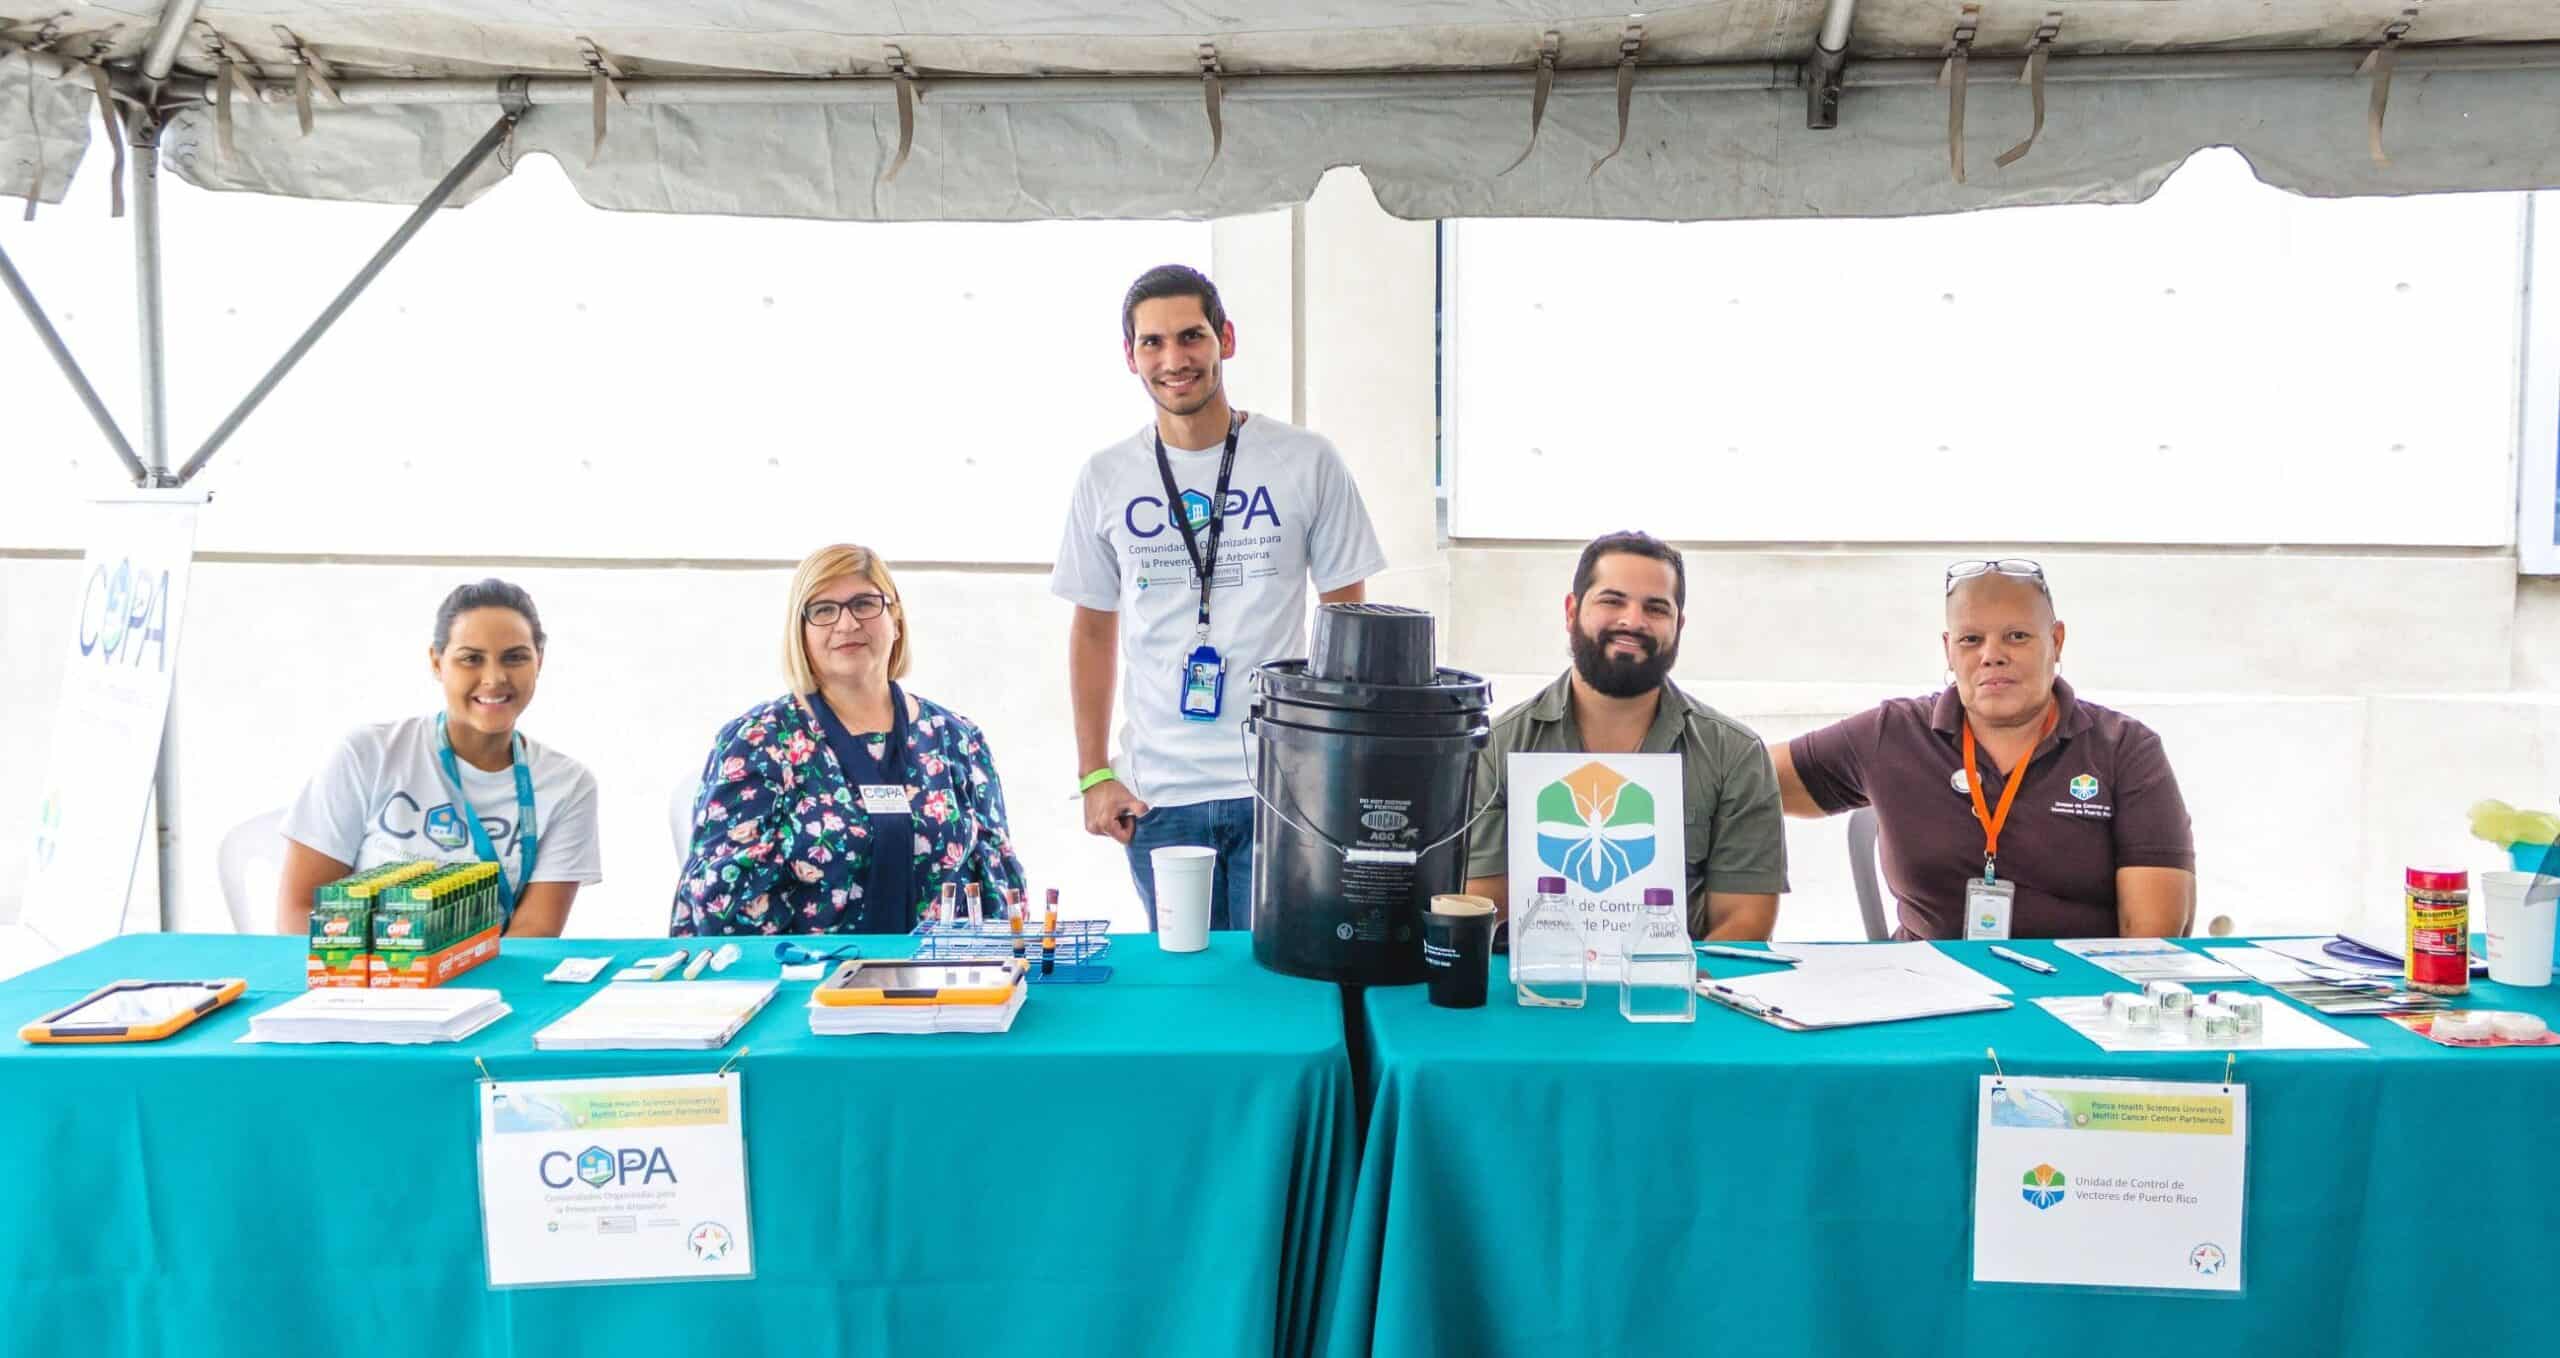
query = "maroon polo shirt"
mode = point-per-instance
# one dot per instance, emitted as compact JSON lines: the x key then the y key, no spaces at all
{"x":2099,"y":796}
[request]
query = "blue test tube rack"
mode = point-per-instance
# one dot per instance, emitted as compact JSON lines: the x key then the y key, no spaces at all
{"x":1082,"y":944}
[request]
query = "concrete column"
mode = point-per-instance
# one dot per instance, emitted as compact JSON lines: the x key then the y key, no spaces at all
{"x":1368,"y":370}
{"x":1254,"y":261}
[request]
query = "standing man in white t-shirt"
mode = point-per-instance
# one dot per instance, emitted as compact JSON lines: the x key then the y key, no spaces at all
{"x":1256,"y":507}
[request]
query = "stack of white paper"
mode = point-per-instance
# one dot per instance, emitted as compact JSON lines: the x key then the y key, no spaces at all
{"x":1842,"y":998}
{"x":438,"y":1014}
{"x":831,"y":1020}
{"x":658,"y":1016}
{"x":1922,"y":958}
{"x":2149,"y":959}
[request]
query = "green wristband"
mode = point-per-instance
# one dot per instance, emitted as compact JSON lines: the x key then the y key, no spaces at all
{"x":1096,"y":779}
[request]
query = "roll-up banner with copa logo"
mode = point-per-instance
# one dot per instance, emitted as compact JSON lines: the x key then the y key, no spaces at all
{"x":120,"y":647}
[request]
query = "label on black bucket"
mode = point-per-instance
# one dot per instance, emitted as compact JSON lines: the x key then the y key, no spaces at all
{"x":1371,"y":893}
{"x":1389,"y":821}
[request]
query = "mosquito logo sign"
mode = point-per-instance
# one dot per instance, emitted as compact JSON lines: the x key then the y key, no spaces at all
{"x":1609,"y":825}
{"x":1596,"y":827}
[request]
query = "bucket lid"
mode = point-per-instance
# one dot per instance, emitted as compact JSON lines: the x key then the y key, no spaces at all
{"x":1372,"y":644}
{"x":1291,"y":681}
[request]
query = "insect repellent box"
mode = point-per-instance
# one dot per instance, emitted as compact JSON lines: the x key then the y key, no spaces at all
{"x":428,"y":930}
{"x":342,"y":924}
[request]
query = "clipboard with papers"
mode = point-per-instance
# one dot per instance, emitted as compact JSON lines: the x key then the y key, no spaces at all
{"x":1806,"y":1001}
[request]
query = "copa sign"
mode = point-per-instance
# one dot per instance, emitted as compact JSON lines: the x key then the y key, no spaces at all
{"x":601,"y":1168}
{"x":124,"y":614}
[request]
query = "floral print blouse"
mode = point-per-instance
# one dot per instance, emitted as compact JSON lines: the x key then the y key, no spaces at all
{"x":780,"y":838}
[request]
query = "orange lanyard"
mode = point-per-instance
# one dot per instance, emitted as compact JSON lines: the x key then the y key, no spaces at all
{"x":1993,"y":820}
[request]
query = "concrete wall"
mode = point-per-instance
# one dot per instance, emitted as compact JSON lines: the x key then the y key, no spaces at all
{"x":2331,"y":712}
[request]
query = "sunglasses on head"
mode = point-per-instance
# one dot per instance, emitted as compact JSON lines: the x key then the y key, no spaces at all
{"x":2015,"y":567}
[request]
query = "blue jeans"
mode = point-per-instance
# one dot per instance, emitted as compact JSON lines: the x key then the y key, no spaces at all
{"x":1226,"y":826}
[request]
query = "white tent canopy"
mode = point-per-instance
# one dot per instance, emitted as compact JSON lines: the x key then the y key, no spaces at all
{"x":1026,"y":109}
{"x":1030,"y":109}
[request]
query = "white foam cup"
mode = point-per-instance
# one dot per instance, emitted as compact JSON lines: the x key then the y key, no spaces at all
{"x":1184,"y":874}
{"x":2520,"y":916}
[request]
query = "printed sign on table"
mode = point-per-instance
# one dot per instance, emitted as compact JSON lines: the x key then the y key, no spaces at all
{"x":1610,"y":826}
{"x":2110,"y":1183}
{"x":638,"y":1179}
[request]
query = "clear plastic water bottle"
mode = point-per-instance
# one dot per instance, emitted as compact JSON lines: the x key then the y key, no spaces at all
{"x":1658,"y":975}
{"x":1550,"y":959}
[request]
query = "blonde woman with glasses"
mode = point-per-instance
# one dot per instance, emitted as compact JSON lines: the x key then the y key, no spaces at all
{"x":845,"y":805}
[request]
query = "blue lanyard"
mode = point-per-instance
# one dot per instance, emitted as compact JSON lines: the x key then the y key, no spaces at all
{"x":479,"y":834}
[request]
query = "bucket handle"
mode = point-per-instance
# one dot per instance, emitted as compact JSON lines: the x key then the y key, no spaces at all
{"x":1350,"y":854}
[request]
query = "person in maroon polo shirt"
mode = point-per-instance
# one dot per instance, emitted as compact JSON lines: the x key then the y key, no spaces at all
{"x":2006,"y":794}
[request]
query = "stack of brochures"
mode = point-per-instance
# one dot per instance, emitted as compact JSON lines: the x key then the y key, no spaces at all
{"x":829,"y":1020}
{"x":658,"y":1016}
{"x":445,"y":1014}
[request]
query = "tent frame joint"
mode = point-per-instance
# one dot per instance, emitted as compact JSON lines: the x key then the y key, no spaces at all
{"x":1823,"y":73}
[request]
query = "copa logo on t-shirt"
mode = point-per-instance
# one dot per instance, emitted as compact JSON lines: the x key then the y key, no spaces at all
{"x":1145,"y":517}
{"x":401,"y":817}
{"x":445,"y":827}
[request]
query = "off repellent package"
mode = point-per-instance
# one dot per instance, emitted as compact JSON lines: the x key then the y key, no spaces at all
{"x":428,"y":930}
{"x":341,"y":955}
{"x":1610,"y":825}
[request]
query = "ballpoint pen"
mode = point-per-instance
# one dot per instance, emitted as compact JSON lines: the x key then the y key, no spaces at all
{"x":1743,"y":1002}
{"x":1748,"y":954}
{"x":2031,"y":964}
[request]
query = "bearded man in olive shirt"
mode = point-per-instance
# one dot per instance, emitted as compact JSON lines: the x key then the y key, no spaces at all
{"x":1622,"y":625}
{"x":2098,"y":844}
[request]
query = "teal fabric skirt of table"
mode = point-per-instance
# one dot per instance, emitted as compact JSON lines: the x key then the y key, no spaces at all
{"x":1539,"y":1181}
{"x":1166,"y":1158}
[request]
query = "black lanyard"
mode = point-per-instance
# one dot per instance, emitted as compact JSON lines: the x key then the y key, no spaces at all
{"x":1205,"y":565}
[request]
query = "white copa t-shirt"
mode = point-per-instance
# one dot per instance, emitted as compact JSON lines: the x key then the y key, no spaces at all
{"x":382,"y":798}
{"x":1292,"y":514}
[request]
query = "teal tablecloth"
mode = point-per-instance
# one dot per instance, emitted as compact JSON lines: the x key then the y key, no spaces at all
{"x":1166,"y":1156}
{"x":1544,"y":1182}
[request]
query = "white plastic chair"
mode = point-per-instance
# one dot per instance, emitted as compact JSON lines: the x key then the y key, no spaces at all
{"x":1863,"y":864}
{"x":250,"y":864}
{"x":680,"y":817}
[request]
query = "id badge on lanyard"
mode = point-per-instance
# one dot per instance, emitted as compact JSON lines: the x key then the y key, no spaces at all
{"x":885,"y":799}
{"x":1987,"y":906}
{"x":1988,"y":901}
{"x":1202,"y":691}
{"x":526,"y":838}
{"x":1204,"y":684}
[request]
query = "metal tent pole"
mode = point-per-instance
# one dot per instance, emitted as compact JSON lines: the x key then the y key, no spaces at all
{"x":150,"y":317}
{"x":1669,"y":78}
{"x":444,"y":189}
{"x":161,"y":56}
{"x":151,"y":328}
{"x":17,"y":288}
{"x":1822,"y":68}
